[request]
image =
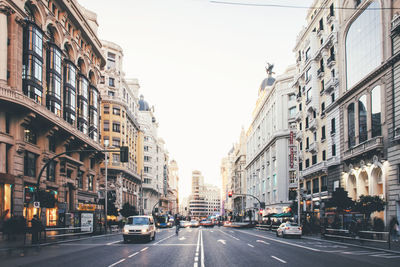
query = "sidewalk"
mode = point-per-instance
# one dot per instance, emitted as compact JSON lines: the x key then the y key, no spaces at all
{"x":20,"y":247}
{"x":394,"y":246}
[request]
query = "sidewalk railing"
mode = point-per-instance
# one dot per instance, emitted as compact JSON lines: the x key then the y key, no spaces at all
{"x":267,"y":227}
{"x":362,"y":236}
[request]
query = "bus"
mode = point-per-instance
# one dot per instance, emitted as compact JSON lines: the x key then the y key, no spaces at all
{"x":163,"y":221}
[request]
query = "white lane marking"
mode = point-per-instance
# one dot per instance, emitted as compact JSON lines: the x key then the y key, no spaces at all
{"x":229,"y":235}
{"x":262,"y":241}
{"x":198,"y":243}
{"x":384,"y":255}
{"x":108,"y":244}
{"x":362,"y":252}
{"x":118,"y":262}
{"x":196,"y":258}
{"x":182,"y":238}
{"x":195,"y":264}
{"x":250,"y":245}
{"x":278,"y":259}
{"x":222,"y":241}
{"x":134,"y":254}
{"x":281,"y":241}
{"x":202,"y":249}
{"x":163,"y":239}
{"x":176,"y":244}
{"x":143,"y":249}
{"x":391,"y":257}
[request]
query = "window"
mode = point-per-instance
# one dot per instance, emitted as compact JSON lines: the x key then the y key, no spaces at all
{"x":274,"y":181}
{"x":79,"y":177}
{"x":301,"y":146}
{"x":300,"y":107}
{"x":292,"y":112}
{"x":30,"y":164}
{"x":300,"y":126}
{"x":363,"y":45}
{"x":106,"y":125}
{"x":314,"y":159}
{"x":52,"y":143}
{"x":376,"y":111}
{"x":321,"y":24}
{"x":300,"y":166}
{"x":30,"y":135}
{"x":308,"y":53}
{"x":102,"y":79}
{"x":362,"y":119}
{"x":147,"y":169}
{"x":308,"y":186}
{"x":116,"y":111}
{"x":333,"y":126}
{"x":315,"y":136}
{"x":307,"y":142}
{"x":115,"y":158}
{"x":324,"y":155}
{"x":116,"y":142}
{"x":331,"y":10}
{"x":333,"y":97}
{"x":315,"y":185}
{"x":333,"y":150}
{"x":147,"y":158}
{"x":308,"y":75}
{"x":307,"y":163}
{"x":323,"y":107}
{"x":110,"y":60}
{"x":116,"y":127}
{"x":146,"y":148}
{"x":90,"y":182}
{"x":92,"y":163}
{"x":94,"y":97}
{"x":309,"y":95}
{"x":106,"y":109}
{"x":51,"y":171}
{"x":111,"y":82}
{"x":292,"y":97}
{"x":324,"y":183}
{"x":351,"y":131}
{"x":111,"y":93}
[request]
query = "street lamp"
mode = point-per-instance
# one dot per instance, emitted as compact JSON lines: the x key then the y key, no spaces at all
{"x":106,"y":143}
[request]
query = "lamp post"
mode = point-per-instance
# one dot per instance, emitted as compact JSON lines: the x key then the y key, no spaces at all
{"x":106,"y":186}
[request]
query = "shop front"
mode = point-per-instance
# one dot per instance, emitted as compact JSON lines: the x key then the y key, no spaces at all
{"x":5,"y":201}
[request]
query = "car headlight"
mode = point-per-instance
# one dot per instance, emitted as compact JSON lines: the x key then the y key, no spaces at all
{"x":144,"y":231}
{"x":126,"y":231}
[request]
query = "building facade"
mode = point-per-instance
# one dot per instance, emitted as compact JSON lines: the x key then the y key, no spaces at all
{"x":317,"y":86}
{"x":51,"y":106}
{"x":366,"y":85}
{"x":239,"y":176}
{"x":212,"y":196}
{"x":173,"y":187}
{"x":267,"y":165}
{"x":119,"y":128}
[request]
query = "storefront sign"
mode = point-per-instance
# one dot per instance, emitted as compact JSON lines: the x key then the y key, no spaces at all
{"x":87,"y":222}
{"x":87,"y":207}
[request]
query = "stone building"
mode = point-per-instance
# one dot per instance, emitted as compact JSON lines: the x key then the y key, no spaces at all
{"x":267,"y":165}
{"x":317,"y":86}
{"x":120,"y":127}
{"x":49,"y":103}
{"x":239,"y":175}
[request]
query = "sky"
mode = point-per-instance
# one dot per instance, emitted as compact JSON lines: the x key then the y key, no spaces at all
{"x":200,"y":64}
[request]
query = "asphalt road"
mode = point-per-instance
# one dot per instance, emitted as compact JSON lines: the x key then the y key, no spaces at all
{"x":199,"y":247}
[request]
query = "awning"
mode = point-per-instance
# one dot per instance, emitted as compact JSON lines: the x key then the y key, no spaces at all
{"x":282,"y":215}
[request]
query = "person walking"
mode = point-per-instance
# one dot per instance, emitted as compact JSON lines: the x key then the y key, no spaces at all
{"x":394,"y":229}
{"x":35,"y":229}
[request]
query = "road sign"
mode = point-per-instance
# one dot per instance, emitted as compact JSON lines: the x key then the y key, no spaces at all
{"x":36,"y":204}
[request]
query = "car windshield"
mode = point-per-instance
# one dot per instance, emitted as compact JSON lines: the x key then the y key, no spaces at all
{"x":138,"y":220}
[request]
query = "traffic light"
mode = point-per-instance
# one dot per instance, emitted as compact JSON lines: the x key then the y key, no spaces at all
{"x":124,"y":154}
{"x":230,"y":194}
{"x":261,"y":211}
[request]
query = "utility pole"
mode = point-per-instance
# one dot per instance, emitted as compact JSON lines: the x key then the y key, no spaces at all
{"x":141,"y":204}
{"x":106,"y":186}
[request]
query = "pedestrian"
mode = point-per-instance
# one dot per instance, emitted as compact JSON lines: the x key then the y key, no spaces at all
{"x":394,"y":229}
{"x":35,"y":229}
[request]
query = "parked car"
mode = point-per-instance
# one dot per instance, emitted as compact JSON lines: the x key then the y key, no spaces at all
{"x":194,"y":223}
{"x":206,"y":223}
{"x":184,"y":224}
{"x":139,"y":227}
{"x":289,"y":229}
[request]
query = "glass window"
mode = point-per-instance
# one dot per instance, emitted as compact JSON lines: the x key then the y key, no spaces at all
{"x":362,"y":119}
{"x":376,"y":111}
{"x":94,"y":97}
{"x":292,"y":112}
{"x":309,"y":95}
{"x":30,"y":164}
{"x":94,"y":119}
{"x":79,"y":177}
{"x":351,"y":127}
{"x":30,"y":135}
{"x":70,"y":75}
{"x":90,"y":183}
{"x":364,"y":45}
{"x":51,"y":171}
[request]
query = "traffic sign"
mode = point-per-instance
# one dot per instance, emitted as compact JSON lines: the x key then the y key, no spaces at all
{"x":36,"y":204}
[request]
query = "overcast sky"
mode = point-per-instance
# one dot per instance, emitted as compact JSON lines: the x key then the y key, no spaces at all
{"x":200,"y":64}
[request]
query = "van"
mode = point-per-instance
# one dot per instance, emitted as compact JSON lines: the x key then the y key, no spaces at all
{"x":139,"y":227}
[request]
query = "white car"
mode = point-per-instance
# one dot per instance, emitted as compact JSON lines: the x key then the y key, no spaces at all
{"x":139,"y":226}
{"x":289,"y":229}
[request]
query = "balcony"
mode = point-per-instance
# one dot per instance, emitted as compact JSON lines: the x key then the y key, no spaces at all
{"x":396,"y":23}
{"x":298,"y":97}
{"x":320,"y":31}
{"x":321,"y":167}
{"x":299,"y":135}
{"x":313,"y":125}
{"x":330,"y":18}
{"x":372,"y":144}
{"x":331,"y":61}
{"x":331,"y":84}
{"x":313,"y":148}
{"x":333,"y":161}
{"x":320,"y":73}
{"x":299,"y":116}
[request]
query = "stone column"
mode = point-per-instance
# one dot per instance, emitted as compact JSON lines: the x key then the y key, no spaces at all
{"x":3,"y":155}
{"x":3,"y":45}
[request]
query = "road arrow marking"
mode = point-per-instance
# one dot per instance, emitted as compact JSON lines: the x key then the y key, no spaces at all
{"x":222,"y":241}
{"x":262,"y":241}
{"x":250,"y":245}
{"x":182,"y":238}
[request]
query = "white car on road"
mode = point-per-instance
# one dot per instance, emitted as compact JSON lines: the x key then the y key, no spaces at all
{"x":289,"y":228}
{"x":139,"y":226}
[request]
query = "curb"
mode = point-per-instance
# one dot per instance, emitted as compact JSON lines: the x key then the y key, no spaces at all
{"x":353,"y":245}
{"x":10,"y":249}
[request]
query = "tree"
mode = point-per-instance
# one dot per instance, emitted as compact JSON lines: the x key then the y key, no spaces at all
{"x":369,"y":204}
{"x":128,"y":210}
{"x":340,"y":200}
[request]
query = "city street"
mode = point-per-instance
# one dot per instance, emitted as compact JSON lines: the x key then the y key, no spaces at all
{"x":204,"y":247}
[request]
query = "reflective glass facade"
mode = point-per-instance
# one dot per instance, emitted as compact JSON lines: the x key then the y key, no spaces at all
{"x":364,"y":44}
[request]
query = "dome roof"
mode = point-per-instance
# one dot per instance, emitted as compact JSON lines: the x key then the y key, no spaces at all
{"x":269,"y":81}
{"x":143,"y":105}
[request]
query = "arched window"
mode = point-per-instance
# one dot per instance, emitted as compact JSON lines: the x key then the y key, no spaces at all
{"x":362,"y":119}
{"x":376,"y":111}
{"x":364,"y":44}
{"x":351,"y":126}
